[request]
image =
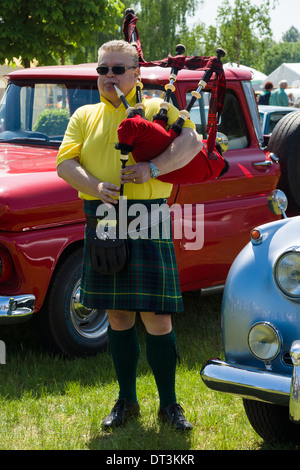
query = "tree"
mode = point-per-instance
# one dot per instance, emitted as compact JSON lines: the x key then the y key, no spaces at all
{"x":211,"y":41}
{"x":243,"y":26}
{"x":160,"y":23}
{"x":283,"y":52}
{"x":52,"y":29}
{"x":193,"y":39}
{"x":291,"y":35}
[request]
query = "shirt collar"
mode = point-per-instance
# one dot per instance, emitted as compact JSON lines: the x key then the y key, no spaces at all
{"x":130,"y":98}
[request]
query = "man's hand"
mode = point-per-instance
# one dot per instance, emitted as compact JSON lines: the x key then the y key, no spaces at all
{"x":138,"y":173}
{"x":79,"y":178}
{"x":179,"y":153}
{"x":107,"y":192}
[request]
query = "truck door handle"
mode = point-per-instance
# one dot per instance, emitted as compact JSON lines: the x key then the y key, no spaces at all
{"x":266,"y":163}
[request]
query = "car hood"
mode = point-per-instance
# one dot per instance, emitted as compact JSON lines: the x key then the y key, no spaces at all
{"x":18,"y":159}
{"x":287,"y":236}
{"x":31,"y":194}
{"x":276,"y":237}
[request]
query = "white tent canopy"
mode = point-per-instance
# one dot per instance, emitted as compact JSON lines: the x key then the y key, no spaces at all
{"x":257,"y":77}
{"x":289,"y":72}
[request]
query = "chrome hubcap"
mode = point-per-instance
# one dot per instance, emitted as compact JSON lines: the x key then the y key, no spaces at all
{"x":90,"y":323}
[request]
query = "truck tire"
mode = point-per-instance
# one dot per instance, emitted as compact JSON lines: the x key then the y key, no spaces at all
{"x":285,"y":143}
{"x":271,"y":422}
{"x":64,"y":326}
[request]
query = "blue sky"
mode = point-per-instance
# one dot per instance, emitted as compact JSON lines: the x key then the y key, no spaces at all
{"x":285,"y":15}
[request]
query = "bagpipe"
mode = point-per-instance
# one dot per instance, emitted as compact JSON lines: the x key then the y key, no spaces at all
{"x":146,"y":139}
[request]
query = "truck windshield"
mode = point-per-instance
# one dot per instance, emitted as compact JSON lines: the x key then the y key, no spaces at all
{"x":40,"y":112}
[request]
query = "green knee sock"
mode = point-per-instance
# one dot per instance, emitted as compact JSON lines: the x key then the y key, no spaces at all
{"x":162,"y":356}
{"x":125,"y":350}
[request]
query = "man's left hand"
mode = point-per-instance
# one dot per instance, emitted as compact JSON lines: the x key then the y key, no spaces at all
{"x":138,"y":173}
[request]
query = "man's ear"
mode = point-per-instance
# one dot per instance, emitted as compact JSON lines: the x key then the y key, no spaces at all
{"x":137,"y":73}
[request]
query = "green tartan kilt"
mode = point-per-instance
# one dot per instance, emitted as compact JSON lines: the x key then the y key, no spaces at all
{"x":148,"y":283}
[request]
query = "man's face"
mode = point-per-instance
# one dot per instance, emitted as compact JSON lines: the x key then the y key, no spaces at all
{"x":125,"y":82}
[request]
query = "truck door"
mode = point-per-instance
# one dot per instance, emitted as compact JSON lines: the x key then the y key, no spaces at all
{"x":230,"y":206}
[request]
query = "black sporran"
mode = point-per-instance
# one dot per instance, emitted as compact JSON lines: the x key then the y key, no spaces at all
{"x":107,"y":255}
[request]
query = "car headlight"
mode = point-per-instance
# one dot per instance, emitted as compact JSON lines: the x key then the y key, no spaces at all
{"x":264,"y":341}
{"x":287,"y":272}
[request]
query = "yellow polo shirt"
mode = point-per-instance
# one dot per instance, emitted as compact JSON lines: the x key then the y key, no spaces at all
{"x":91,"y":135}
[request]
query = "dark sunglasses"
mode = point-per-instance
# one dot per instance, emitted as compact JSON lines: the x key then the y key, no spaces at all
{"x":116,"y":69}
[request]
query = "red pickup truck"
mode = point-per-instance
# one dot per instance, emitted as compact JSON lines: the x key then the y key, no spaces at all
{"x":42,"y":219}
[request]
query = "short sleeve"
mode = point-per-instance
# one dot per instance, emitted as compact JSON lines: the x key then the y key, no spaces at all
{"x":73,"y":139}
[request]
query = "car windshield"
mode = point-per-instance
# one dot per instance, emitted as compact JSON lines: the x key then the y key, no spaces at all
{"x":269,"y":119}
{"x":40,"y":112}
{"x":274,"y":118}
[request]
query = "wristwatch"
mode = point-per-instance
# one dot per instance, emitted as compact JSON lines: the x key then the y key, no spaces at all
{"x":154,"y":171}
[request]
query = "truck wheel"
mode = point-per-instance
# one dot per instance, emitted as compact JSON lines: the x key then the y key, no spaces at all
{"x":271,"y":422}
{"x":285,"y":143}
{"x":65,"y":326}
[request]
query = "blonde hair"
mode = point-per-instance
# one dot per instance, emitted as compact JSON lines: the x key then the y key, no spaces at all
{"x":119,"y":45}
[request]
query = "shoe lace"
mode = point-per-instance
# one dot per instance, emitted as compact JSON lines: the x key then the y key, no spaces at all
{"x":177,"y":410}
{"x":119,"y":402}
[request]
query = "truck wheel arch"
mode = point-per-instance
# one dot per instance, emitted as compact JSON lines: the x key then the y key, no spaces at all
{"x":58,"y":326}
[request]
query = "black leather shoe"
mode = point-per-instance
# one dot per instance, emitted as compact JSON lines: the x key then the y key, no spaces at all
{"x":121,"y":412}
{"x":173,"y":414}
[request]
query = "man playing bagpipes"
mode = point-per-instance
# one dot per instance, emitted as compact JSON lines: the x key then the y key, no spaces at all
{"x":148,"y":283}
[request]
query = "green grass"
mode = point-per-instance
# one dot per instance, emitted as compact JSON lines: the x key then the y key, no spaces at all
{"x":52,"y":403}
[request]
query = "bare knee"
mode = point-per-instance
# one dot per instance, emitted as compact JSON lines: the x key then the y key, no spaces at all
{"x":120,"y":319}
{"x":156,"y":324}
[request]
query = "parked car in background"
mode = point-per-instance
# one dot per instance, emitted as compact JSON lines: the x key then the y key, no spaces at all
{"x":261,"y":329}
{"x":42,"y":219}
{"x":271,"y":115}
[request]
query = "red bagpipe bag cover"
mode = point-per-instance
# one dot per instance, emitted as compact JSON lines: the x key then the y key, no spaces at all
{"x":146,"y":139}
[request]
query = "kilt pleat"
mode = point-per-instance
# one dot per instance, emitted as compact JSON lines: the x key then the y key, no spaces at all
{"x":149,"y":282}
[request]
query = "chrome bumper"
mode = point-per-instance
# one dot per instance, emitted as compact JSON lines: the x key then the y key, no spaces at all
{"x":256,"y":384}
{"x":16,"y":309}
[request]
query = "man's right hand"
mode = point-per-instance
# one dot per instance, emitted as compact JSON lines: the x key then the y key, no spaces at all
{"x":108,"y":192}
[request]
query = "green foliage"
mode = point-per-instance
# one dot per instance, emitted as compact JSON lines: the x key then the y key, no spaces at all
{"x":244,"y":31}
{"x":52,"y":122}
{"x":211,"y":41}
{"x":52,"y":29}
{"x":242,"y":28}
{"x":283,"y":52}
{"x":291,"y":35}
{"x":71,"y":31}
{"x":193,"y":40}
{"x":160,"y":24}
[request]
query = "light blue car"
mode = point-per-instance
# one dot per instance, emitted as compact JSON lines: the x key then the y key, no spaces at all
{"x":261,"y":329}
{"x":271,"y":115}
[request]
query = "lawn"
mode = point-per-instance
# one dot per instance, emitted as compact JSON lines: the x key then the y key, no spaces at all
{"x":53,"y":403}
